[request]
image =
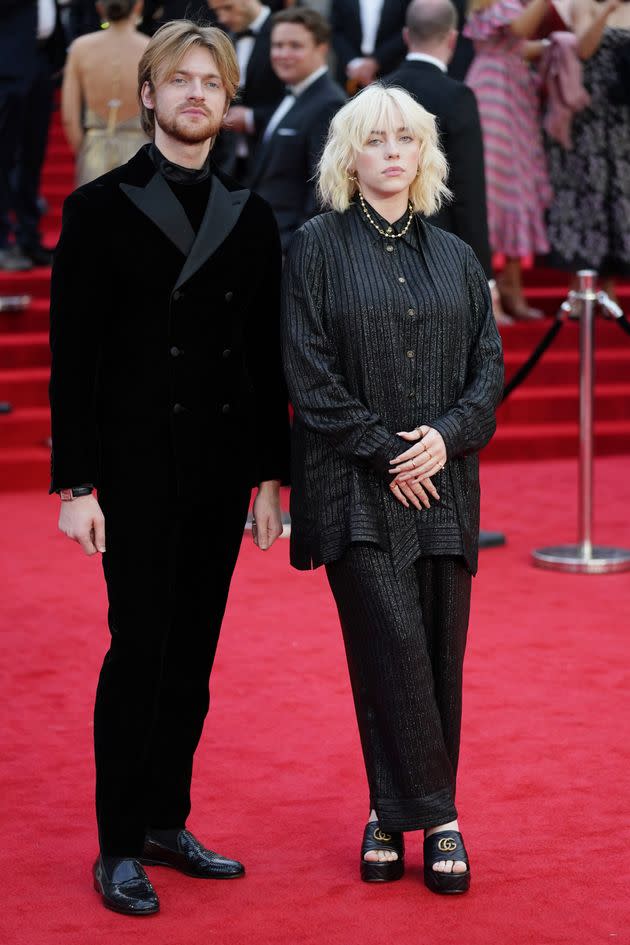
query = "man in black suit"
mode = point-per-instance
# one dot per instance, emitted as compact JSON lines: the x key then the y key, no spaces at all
{"x":430,"y":34}
{"x":293,"y":140}
{"x":248,"y":23}
{"x":167,"y":395}
{"x":32,"y":51}
{"x":367,"y":39}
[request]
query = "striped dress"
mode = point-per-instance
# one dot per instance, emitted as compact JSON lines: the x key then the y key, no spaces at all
{"x":518,"y":190}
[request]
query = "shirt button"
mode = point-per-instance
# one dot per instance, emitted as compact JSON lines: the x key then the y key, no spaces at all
{"x":411,"y":395}
{"x":401,"y":279}
{"x":177,"y":295}
{"x":175,"y":352}
{"x":225,"y":409}
{"x":410,"y":354}
{"x":389,"y":248}
{"x":226,"y":354}
{"x":411,"y":312}
{"x":228,"y":296}
{"x":178,"y":408}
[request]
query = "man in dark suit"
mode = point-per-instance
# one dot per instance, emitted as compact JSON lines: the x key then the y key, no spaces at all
{"x":32,"y":51}
{"x":285,"y":164}
{"x":367,"y":39}
{"x":167,"y":395}
{"x":249,"y":25}
{"x":430,"y":34}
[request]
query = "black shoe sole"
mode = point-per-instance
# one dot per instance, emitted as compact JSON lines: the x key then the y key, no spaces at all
{"x":382,"y":872}
{"x":446,"y":884}
{"x":114,"y":908}
{"x":171,"y":866}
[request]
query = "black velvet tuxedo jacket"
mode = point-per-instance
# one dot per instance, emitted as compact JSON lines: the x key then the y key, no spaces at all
{"x":285,"y":164}
{"x":455,"y":108}
{"x":345,"y":19}
{"x":165,"y":347}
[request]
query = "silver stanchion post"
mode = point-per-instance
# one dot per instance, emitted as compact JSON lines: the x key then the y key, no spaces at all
{"x":585,"y":557}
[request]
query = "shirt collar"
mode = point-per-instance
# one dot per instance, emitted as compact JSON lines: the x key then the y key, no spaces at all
{"x":307,"y":82}
{"x":424,"y":57}
{"x":175,"y":173}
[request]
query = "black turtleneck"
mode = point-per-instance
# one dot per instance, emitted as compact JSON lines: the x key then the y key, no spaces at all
{"x":190,"y":185}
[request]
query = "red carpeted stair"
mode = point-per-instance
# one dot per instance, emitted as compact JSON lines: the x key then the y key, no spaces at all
{"x":539,"y":420}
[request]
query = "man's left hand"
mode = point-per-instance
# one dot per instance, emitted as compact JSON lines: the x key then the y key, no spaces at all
{"x":267,"y":517}
{"x":425,"y":458}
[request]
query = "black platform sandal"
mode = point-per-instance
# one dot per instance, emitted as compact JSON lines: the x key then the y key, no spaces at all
{"x":445,"y":845}
{"x":376,"y":839}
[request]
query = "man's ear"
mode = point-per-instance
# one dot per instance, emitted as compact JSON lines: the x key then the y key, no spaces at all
{"x":146,"y":95}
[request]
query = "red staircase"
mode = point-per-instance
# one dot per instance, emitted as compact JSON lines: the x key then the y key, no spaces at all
{"x":538,"y":421}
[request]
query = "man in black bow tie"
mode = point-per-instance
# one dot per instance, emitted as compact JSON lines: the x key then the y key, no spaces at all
{"x":249,"y":25}
{"x":167,"y":396}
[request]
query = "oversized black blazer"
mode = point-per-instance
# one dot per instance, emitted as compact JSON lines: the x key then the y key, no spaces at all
{"x":340,"y":314}
{"x":389,"y":50}
{"x":284,"y":167}
{"x":165,"y":359}
{"x":455,"y":108}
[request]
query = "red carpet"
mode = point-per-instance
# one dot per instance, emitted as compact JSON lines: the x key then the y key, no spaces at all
{"x":544,"y":780}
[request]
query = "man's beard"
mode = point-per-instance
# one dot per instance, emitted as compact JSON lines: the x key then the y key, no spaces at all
{"x":177,"y":127}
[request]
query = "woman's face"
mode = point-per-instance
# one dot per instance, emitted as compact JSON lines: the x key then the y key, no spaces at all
{"x":388,"y":162}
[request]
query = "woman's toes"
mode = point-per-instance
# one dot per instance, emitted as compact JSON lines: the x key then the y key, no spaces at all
{"x":459,"y":866}
{"x":373,"y":856}
{"x":448,"y":866}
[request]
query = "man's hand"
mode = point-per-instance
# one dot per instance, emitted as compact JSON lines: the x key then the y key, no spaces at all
{"x":362,"y":69}
{"x":236,"y":118}
{"x":267,"y":519}
{"x":83,"y":521}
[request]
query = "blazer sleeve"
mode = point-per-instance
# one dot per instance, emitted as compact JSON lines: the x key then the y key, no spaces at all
{"x":317,"y":387}
{"x":467,"y":177}
{"x":471,"y":421}
{"x":270,"y":426}
{"x":75,"y":342}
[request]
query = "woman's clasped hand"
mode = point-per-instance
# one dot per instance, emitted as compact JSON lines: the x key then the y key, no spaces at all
{"x":412,"y":469}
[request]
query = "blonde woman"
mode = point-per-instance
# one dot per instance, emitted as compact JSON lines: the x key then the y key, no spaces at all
{"x":394,"y":366}
{"x":99,"y":102}
{"x":506,"y":89}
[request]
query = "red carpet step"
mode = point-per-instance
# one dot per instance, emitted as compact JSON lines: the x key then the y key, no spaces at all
{"x":539,"y":420}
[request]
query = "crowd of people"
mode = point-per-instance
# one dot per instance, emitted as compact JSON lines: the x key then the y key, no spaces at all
{"x":523,"y":183}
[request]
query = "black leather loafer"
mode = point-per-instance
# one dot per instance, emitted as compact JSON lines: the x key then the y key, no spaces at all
{"x":445,"y":845}
{"x":189,"y":857}
{"x":376,"y":839}
{"x":125,"y":887}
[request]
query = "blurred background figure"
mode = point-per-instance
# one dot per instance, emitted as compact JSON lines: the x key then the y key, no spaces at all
{"x":367,"y":39}
{"x":99,"y":101}
{"x":157,"y":12}
{"x":82,"y":17}
{"x":518,"y":190}
{"x":589,"y":219}
{"x":430,"y":35}
{"x":249,"y":25}
{"x":293,"y":140}
{"x":32,"y":50}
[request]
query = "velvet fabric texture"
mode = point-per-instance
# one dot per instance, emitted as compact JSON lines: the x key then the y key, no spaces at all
{"x":166,"y":393}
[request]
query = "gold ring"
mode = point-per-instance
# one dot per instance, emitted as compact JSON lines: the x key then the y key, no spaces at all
{"x":429,"y":452}
{"x":413,"y":462}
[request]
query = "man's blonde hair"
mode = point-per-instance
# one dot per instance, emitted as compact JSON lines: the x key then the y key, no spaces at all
{"x":384,"y":108}
{"x":166,"y":50}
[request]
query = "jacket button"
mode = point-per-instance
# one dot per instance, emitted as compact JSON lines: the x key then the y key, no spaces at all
{"x":228,"y":296}
{"x":226,"y":354}
{"x":178,"y":408}
{"x":175,"y":351}
{"x":389,"y":248}
{"x":411,"y":312}
{"x":410,"y":354}
{"x":225,"y":409}
{"x":401,"y":279}
{"x":177,"y":295}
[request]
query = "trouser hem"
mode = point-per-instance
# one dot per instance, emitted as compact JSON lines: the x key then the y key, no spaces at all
{"x":415,"y":813}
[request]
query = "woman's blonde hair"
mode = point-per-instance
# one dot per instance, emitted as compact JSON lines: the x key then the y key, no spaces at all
{"x":167,"y":48}
{"x":383,"y":108}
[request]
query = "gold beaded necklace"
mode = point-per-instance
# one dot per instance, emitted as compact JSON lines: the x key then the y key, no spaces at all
{"x":389,"y":232}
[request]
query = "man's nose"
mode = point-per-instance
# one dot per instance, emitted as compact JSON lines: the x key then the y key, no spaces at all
{"x":195,"y":88}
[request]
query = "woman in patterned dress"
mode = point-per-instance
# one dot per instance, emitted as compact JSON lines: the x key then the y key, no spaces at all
{"x":589,"y":219}
{"x":507,"y":93}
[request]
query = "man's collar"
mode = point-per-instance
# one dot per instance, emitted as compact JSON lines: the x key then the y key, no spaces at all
{"x":307,"y":82}
{"x":175,"y":173}
{"x":425,"y":57}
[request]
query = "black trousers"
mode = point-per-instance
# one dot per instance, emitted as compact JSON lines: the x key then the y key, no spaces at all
{"x":405,"y":637}
{"x":168,"y":576}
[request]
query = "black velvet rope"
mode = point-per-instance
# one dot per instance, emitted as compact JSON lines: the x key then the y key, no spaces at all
{"x":534,"y":357}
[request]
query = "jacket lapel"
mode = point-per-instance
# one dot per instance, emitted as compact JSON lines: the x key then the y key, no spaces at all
{"x":222,"y":213}
{"x":158,"y":202}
